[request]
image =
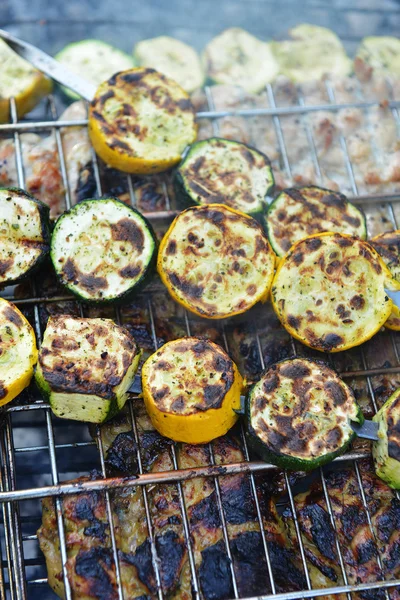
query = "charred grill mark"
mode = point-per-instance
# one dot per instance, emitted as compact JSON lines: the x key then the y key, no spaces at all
{"x":96,"y":566}
{"x":357,"y":302}
{"x":354,"y":221}
{"x":5,"y":265}
{"x":90,"y":282}
{"x":126,"y":230}
{"x":250,"y":566}
{"x":336,"y":392}
{"x":313,"y":244}
{"x":295,"y":194}
{"x":343,"y":242}
{"x":205,"y":513}
{"x":327,"y":343}
{"x":285,"y":571}
{"x":130,"y":272}
{"x":117,"y":143}
{"x":161,"y":393}
{"x":3,"y":390}
{"x":334,"y":437}
{"x":295,"y":370}
{"x":237,"y":499}
{"x":121,"y":456}
{"x":298,"y":258}
{"x":103,"y":99}
{"x":248,"y":156}
{"x":189,"y":289}
{"x":213,"y":396}
{"x":75,"y":380}
{"x":185,"y":104}
{"x":294,"y":321}
{"x":271,"y":383}
{"x":98,"y":116}
{"x":171,"y":248}
{"x":334,"y":200}
{"x":171,"y":551}
{"x":321,"y":530}
{"x":12,"y":316}
{"x":134,"y":76}
{"x":215,"y":574}
{"x":128,"y":110}
{"x":142,"y":560}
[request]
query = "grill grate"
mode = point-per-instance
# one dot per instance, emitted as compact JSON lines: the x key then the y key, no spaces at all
{"x":23,"y":574}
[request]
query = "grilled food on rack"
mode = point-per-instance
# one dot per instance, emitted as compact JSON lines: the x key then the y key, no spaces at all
{"x":299,"y":415}
{"x":216,"y":261}
{"x":311,"y":53}
{"x":191,"y":389}
{"x":219,"y":171}
{"x":94,"y":61}
{"x":386,"y":452}
{"x":141,"y":121}
{"x":297,"y":213}
{"x":21,"y":81}
{"x":173,"y":58}
{"x":85,"y":367}
{"x":24,"y":234}
{"x":359,"y":548}
{"x":18,"y":352}
{"x":102,"y":250}
{"x":388,"y":246}
{"x":381,"y":53}
{"x":90,"y":564}
{"x":236,"y":57}
{"x":329,"y":292}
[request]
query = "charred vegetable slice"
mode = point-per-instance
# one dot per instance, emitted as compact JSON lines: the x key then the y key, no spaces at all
{"x":141,"y":121}
{"x":93,"y":60}
{"x":18,"y":353}
{"x":191,"y":389}
{"x":299,"y":415}
{"x":381,"y":53}
{"x":300,"y":212}
{"x":328,"y":292}
{"x":24,"y":234}
{"x":388,"y":246}
{"x":102,"y":250}
{"x":86,"y":367}
{"x":173,"y":58}
{"x":311,"y":53}
{"x":386,"y":452}
{"x":238,"y":58}
{"x":216,"y":261}
{"x":20,"y":80}
{"x":225,"y":172}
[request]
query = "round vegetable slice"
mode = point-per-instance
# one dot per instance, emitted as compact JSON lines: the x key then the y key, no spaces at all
{"x":386,"y":451}
{"x":216,"y":261}
{"x":191,"y":389}
{"x":93,"y":60}
{"x":102,"y":250}
{"x":141,"y":121}
{"x":20,"y":80}
{"x":227,"y":172}
{"x":173,"y":58}
{"x":18,"y":352}
{"x":238,"y":58}
{"x":381,"y":53}
{"x":24,"y":234}
{"x":297,"y":213}
{"x":388,"y":246}
{"x":328,"y":292}
{"x":299,"y":415}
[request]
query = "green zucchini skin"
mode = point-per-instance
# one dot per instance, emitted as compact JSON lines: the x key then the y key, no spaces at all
{"x":44,"y":215}
{"x":285,"y":461}
{"x":148,"y":271}
{"x":386,"y":451}
{"x":187,"y":197}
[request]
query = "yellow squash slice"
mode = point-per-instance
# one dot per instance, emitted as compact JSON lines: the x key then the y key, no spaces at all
{"x":216,"y":261}
{"x":20,"y":80}
{"x":18,"y":352}
{"x":141,"y":121}
{"x":388,"y":246}
{"x":191,"y":389}
{"x":328,"y":292}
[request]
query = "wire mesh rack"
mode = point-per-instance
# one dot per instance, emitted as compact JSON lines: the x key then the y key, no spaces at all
{"x":40,"y":454}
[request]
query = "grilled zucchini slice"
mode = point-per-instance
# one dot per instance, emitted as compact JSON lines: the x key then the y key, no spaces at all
{"x":18,"y":353}
{"x":236,"y":57}
{"x":382,"y":53}
{"x":93,"y":60}
{"x":191,"y":389}
{"x":386,"y":452}
{"x":103,"y":250}
{"x":310,"y":54}
{"x":173,"y":58}
{"x":216,"y":261}
{"x":24,"y":234}
{"x":86,"y":367}
{"x":226,"y":172}
{"x":298,"y":416}
{"x":21,"y":81}
{"x":141,"y":121}
{"x":297,"y":213}
{"x":388,"y":246}
{"x":328,"y":292}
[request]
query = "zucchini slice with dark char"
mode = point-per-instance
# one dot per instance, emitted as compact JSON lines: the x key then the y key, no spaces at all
{"x":297,"y":213}
{"x":86,"y":367}
{"x":388,"y":246}
{"x":24,"y":234}
{"x":329,"y":292}
{"x":299,"y":415}
{"x":191,"y":389}
{"x":103,"y":250}
{"x":216,"y":261}
{"x":141,"y":121}
{"x":219,"y":171}
{"x":386,"y":452}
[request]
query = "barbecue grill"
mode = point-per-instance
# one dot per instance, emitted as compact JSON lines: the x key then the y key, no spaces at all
{"x":40,"y":453}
